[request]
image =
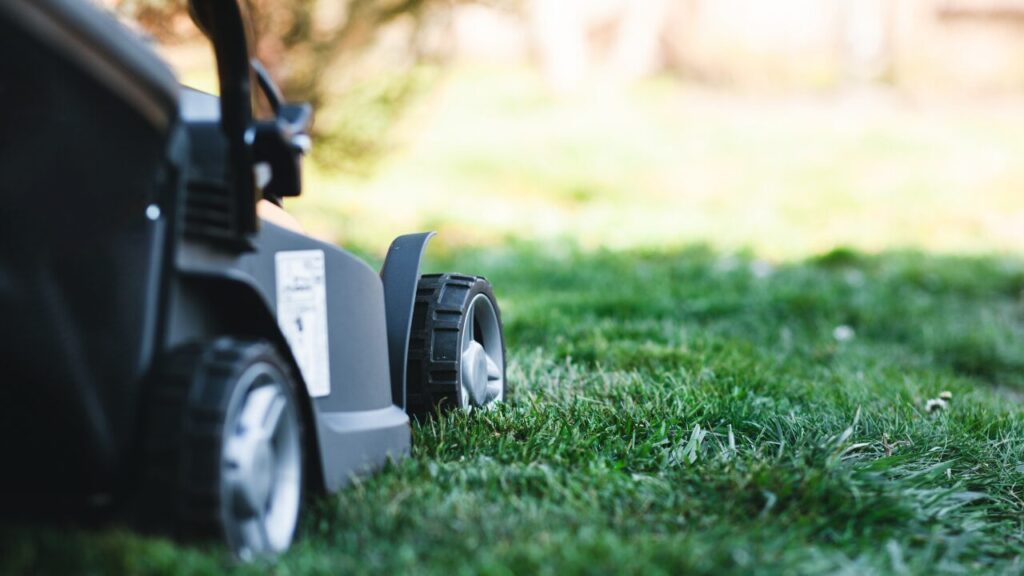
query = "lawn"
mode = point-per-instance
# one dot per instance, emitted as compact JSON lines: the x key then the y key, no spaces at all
{"x":704,"y":390}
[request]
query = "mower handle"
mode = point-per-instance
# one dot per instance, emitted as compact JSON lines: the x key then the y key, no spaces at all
{"x":223,"y":22}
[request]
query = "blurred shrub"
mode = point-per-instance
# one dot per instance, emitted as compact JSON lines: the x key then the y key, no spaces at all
{"x":357,"y":61}
{"x":353,"y":128}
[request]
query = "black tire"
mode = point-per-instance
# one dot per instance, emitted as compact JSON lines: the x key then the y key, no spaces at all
{"x":198,"y":390}
{"x":435,"y":369}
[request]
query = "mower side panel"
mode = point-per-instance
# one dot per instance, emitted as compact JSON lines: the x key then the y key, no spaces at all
{"x":357,"y":426}
{"x":401,"y":276}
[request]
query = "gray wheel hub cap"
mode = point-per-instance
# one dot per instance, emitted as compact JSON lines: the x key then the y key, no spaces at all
{"x":483,"y":359}
{"x":261,"y":471}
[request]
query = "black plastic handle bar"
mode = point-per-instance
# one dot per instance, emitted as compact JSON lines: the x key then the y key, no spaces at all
{"x":223,"y":21}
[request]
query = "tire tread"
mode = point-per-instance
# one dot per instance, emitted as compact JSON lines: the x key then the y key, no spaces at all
{"x":439,"y":309}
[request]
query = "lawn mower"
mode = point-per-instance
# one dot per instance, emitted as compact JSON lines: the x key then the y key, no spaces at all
{"x":168,"y":357}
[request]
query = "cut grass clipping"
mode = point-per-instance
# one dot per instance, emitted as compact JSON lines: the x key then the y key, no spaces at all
{"x":684,"y":412}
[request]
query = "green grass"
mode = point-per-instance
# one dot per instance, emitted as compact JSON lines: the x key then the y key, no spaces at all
{"x":678,"y":411}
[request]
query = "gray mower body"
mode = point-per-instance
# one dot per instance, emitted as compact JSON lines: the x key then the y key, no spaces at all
{"x":121,"y":239}
{"x":344,"y":369}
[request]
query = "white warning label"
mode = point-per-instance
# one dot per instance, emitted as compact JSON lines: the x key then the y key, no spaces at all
{"x":302,"y":314}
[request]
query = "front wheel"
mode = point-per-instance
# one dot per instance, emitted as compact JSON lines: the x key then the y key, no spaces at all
{"x":226,"y":443}
{"x":456,"y":345}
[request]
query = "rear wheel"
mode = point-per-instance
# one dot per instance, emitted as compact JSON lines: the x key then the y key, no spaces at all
{"x":226,"y":446}
{"x":456,"y":346}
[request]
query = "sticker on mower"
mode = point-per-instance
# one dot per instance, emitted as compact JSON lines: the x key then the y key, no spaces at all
{"x":302,"y":314}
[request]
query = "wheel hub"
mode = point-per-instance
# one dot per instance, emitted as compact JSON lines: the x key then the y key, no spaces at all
{"x":262,"y":472}
{"x":474,"y":366}
{"x":483,"y":357}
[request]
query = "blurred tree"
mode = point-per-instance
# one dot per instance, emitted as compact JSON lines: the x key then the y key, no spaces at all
{"x":303,"y":39}
{"x":328,"y":52}
{"x":318,"y":50}
{"x":299,"y":40}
